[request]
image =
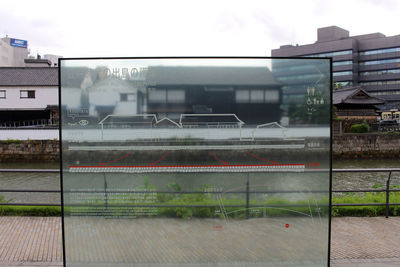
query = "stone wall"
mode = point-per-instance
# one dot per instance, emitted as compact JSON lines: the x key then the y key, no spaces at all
{"x":367,"y":146}
{"x":345,"y":146}
{"x":29,"y":150}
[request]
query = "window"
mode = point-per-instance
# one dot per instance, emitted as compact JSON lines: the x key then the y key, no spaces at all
{"x":157,"y":96}
{"x":2,"y":93}
{"x":128,"y":97}
{"x":380,"y":51}
{"x":345,"y":83}
{"x":271,"y":96}
{"x":380,"y":82}
{"x":383,"y":61}
{"x":341,"y":73}
{"x":341,"y":63}
{"x":176,"y":96}
{"x":331,"y":54}
{"x":242,"y":96}
{"x":257,"y":96}
{"x":27,"y":94}
{"x":166,"y":96}
{"x":379,"y":72}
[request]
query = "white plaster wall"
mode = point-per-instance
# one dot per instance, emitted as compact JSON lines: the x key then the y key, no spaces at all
{"x":44,"y":95}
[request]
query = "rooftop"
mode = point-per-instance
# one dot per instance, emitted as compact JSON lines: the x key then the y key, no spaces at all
{"x":355,"y":95}
{"x":28,"y":76}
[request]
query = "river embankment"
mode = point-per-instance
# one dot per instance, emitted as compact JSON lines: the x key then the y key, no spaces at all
{"x":344,"y":146}
{"x":366,"y":146}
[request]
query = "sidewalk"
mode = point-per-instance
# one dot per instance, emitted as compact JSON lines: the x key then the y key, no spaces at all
{"x":364,"y":242}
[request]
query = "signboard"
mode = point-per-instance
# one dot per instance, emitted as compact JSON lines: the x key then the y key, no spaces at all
{"x":18,"y":43}
{"x":198,"y":169}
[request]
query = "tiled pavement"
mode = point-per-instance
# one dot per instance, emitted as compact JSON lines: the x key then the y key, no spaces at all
{"x":367,"y":242}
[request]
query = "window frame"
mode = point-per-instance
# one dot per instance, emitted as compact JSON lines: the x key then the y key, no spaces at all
{"x":30,"y":94}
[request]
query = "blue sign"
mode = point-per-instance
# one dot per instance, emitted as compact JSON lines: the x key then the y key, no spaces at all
{"x":18,"y":43}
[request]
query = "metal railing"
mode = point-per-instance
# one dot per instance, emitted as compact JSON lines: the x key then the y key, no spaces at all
{"x":387,"y":189}
{"x":28,"y":123}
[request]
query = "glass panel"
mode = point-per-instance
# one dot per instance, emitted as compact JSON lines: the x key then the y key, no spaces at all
{"x":191,"y":172}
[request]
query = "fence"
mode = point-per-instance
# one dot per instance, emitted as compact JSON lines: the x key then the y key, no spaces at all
{"x":28,"y":123}
{"x":387,"y":191}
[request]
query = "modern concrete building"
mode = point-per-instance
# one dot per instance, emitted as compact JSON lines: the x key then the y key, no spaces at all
{"x":13,"y":52}
{"x":370,"y":60}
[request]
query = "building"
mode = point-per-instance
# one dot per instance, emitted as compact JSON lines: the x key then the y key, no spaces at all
{"x":355,"y":103}
{"x":28,"y":96}
{"x":370,"y":60}
{"x":13,"y":52}
{"x":53,"y":59}
{"x":251,"y":93}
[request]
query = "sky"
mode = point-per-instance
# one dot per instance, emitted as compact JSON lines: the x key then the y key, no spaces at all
{"x":150,"y":28}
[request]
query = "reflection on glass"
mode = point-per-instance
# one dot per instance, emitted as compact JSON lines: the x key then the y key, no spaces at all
{"x":193,"y":162}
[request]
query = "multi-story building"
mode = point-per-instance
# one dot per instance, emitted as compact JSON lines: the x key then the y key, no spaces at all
{"x":369,"y":60}
{"x":13,"y":52}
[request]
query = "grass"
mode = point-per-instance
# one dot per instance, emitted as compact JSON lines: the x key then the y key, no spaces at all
{"x":299,"y":208}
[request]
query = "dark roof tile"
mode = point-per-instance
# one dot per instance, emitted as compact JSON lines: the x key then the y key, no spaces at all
{"x":24,"y":76}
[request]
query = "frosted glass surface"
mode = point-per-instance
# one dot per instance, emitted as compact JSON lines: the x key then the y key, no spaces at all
{"x":195,"y":161}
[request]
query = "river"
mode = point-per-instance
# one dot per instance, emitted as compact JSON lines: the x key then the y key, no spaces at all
{"x":51,"y":181}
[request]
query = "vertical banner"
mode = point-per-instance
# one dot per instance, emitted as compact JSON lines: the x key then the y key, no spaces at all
{"x":195,"y":161}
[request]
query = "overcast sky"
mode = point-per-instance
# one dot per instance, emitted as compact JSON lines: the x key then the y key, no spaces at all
{"x":97,"y":28}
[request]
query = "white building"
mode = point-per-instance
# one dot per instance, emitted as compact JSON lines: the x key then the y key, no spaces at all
{"x":13,"y":52}
{"x":53,"y":59}
{"x":28,"y":96}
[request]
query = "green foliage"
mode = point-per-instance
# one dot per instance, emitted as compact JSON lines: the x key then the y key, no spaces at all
{"x":30,"y":211}
{"x":10,"y":141}
{"x":313,"y":113}
{"x":360,"y":128}
{"x":369,"y":197}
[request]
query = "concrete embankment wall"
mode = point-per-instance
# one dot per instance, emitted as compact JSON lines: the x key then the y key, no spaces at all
{"x":366,"y":146}
{"x":29,"y":150}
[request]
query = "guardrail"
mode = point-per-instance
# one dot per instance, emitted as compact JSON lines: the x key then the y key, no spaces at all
{"x":387,"y":189}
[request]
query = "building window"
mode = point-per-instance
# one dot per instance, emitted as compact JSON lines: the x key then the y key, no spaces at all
{"x":271,"y":96}
{"x":380,"y":51}
{"x":383,"y":61}
{"x":256,"y":96}
{"x":379,"y":72}
{"x":166,"y":96}
{"x":176,"y":96}
{"x":331,"y":54}
{"x":27,"y":94}
{"x":341,"y":63}
{"x":2,"y":93}
{"x":125,"y":97}
{"x":242,"y":96}
{"x":341,"y":73}
{"x":380,"y":82}
{"x":157,"y":96}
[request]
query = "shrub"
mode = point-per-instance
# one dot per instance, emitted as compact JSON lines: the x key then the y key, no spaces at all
{"x":360,"y":128}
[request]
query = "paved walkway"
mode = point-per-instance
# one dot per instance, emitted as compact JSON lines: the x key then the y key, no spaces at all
{"x":366,"y":242}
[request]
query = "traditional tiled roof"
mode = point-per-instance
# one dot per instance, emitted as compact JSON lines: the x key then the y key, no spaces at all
{"x":355,"y":95}
{"x":25,"y":76}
